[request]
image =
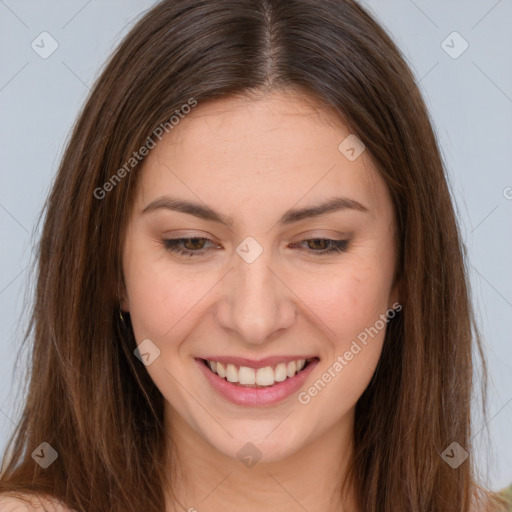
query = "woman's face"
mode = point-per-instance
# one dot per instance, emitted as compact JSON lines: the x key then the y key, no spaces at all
{"x":247,"y":184}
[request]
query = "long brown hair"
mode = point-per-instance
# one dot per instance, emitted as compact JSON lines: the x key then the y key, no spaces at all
{"x":93,"y":401}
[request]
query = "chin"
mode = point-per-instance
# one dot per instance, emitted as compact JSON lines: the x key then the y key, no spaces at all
{"x":250,"y":446}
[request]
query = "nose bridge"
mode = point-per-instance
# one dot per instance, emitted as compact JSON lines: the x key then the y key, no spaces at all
{"x":256,"y":301}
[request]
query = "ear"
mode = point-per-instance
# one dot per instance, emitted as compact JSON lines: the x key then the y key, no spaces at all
{"x":394,"y":296}
{"x":123,"y":303}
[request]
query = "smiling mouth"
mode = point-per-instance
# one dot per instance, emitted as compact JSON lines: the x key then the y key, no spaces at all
{"x":244,"y":376}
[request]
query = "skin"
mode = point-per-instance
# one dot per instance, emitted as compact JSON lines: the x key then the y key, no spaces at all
{"x":253,"y":159}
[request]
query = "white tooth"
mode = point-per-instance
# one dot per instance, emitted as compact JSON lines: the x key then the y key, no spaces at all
{"x":246,"y":375}
{"x":262,"y":377}
{"x":231,"y":373}
{"x":280,"y":372}
{"x":221,"y":371}
{"x":265,"y":376}
{"x":291,"y":368}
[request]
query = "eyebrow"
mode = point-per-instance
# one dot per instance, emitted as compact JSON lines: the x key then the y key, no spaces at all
{"x":204,"y":212}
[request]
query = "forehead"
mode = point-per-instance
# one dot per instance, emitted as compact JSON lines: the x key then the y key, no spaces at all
{"x":275,"y":150}
{"x":262,"y":127}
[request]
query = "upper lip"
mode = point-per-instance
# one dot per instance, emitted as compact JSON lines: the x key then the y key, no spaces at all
{"x":257,"y":363}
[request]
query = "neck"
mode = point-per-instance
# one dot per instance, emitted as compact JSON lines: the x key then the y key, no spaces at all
{"x":205,"y":479}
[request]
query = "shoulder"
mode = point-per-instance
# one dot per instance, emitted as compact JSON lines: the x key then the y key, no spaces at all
{"x":29,"y":503}
{"x":492,"y":501}
{"x":507,"y":495}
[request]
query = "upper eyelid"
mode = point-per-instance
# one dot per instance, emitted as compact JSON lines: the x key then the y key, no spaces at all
{"x":308,"y":235}
{"x":179,"y":240}
{"x":304,"y":238}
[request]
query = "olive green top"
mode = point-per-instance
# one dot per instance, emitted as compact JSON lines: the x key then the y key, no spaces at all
{"x":507,"y":494}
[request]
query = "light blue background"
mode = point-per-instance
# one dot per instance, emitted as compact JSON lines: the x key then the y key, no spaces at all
{"x":470,"y":99}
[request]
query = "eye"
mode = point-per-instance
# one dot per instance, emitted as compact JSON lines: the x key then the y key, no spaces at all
{"x":321,"y":246}
{"x":195,"y":246}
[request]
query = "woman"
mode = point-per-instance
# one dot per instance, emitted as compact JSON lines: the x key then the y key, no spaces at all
{"x":251,"y":285}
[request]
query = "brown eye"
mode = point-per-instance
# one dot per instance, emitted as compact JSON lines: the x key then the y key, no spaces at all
{"x":196,"y":243}
{"x":318,"y":243}
{"x":191,"y":246}
{"x":321,"y":246}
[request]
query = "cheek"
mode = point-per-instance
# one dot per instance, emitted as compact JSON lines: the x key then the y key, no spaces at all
{"x":352,"y":302}
{"x":161,"y":298}
{"x":353,"y":306}
{"x":349,"y":299}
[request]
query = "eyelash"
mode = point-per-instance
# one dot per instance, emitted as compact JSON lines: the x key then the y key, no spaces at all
{"x":336,"y":246}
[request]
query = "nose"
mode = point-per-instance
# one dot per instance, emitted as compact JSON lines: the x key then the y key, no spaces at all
{"x":256,"y":304}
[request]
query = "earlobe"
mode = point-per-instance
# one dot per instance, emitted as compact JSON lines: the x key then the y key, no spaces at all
{"x":123,"y":305}
{"x":394,"y":296}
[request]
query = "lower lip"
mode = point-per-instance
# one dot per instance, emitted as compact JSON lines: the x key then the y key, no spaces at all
{"x":254,"y":397}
